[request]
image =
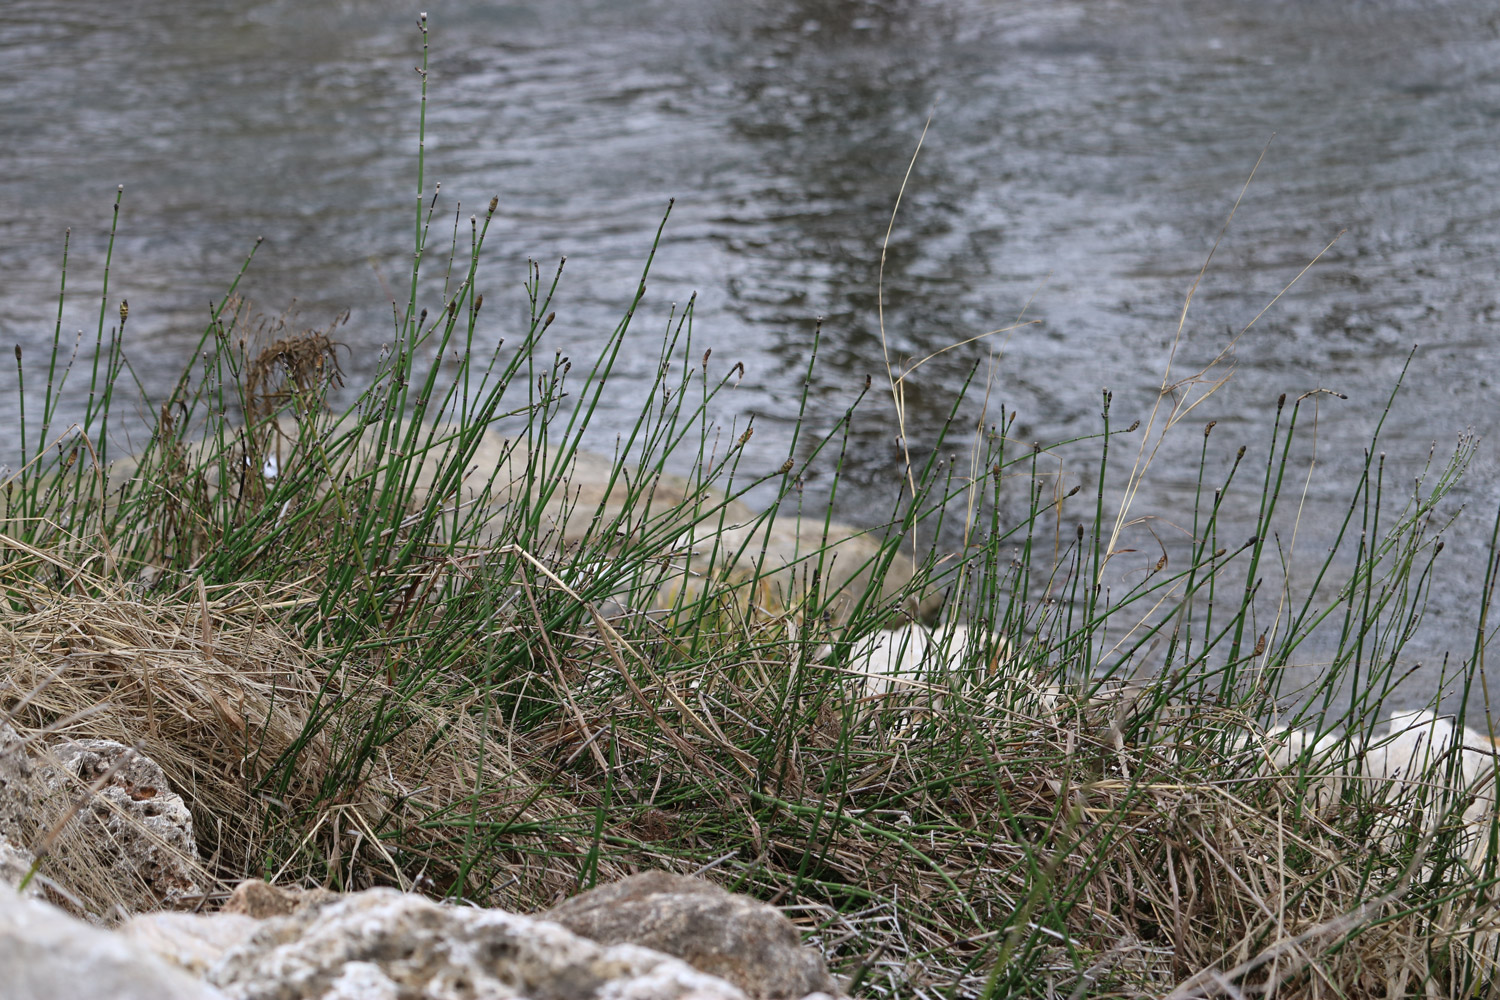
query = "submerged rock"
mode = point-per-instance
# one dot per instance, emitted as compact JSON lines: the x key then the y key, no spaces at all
{"x":772,"y":564}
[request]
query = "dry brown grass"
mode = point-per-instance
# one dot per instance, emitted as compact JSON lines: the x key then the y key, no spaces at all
{"x":289,"y":371}
{"x":216,"y":690}
{"x":451,"y":713}
{"x":931,"y":843}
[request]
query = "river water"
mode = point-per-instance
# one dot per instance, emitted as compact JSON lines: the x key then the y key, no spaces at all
{"x":1081,"y":160}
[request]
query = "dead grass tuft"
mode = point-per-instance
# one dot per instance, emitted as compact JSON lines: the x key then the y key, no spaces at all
{"x":929,"y":844}
{"x":259,"y":738}
{"x":291,"y":371}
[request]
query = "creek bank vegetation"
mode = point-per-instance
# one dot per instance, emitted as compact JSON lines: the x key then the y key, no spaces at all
{"x":368,"y":656}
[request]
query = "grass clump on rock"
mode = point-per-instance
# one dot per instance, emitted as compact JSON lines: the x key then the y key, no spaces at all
{"x":428,"y":639}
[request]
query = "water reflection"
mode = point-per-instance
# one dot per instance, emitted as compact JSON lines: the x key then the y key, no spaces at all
{"x":1082,"y":159}
{"x":832,"y":98}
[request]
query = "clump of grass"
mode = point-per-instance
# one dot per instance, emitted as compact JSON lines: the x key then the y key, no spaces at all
{"x":368,"y":658}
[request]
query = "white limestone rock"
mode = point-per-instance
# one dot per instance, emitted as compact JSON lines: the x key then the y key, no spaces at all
{"x":47,"y":955}
{"x":909,"y":659}
{"x":193,"y":942}
{"x":1298,"y":753}
{"x":927,"y":668}
{"x":1401,"y":761}
{"x":144,"y":828}
{"x":1421,"y":763}
{"x":383,"y":943}
{"x":15,"y":865}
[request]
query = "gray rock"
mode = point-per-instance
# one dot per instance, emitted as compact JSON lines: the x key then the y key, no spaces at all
{"x":258,"y":899}
{"x":17,"y":786}
{"x":23,"y":796}
{"x":589,"y":486}
{"x":743,"y":940}
{"x":47,"y":955}
{"x":130,"y":846}
{"x":721,"y":552}
{"x":500,"y":472}
{"x":145,"y":829}
{"x":381,"y":943}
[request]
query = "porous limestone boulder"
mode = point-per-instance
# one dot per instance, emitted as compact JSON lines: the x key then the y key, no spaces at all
{"x":145,"y":830}
{"x":195,"y":942}
{"x":47,"y":955}
{"x":749,"y":943}
{"x":18,"y":785}
{"x":381,"y":943}
{"x":20,"y":800}
{"x":134,"y":835}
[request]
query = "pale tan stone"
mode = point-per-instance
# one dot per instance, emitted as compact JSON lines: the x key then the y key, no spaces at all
{"x":749,"y":943}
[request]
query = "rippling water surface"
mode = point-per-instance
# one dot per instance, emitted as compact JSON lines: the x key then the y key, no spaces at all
{"x":1081,"y":160}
